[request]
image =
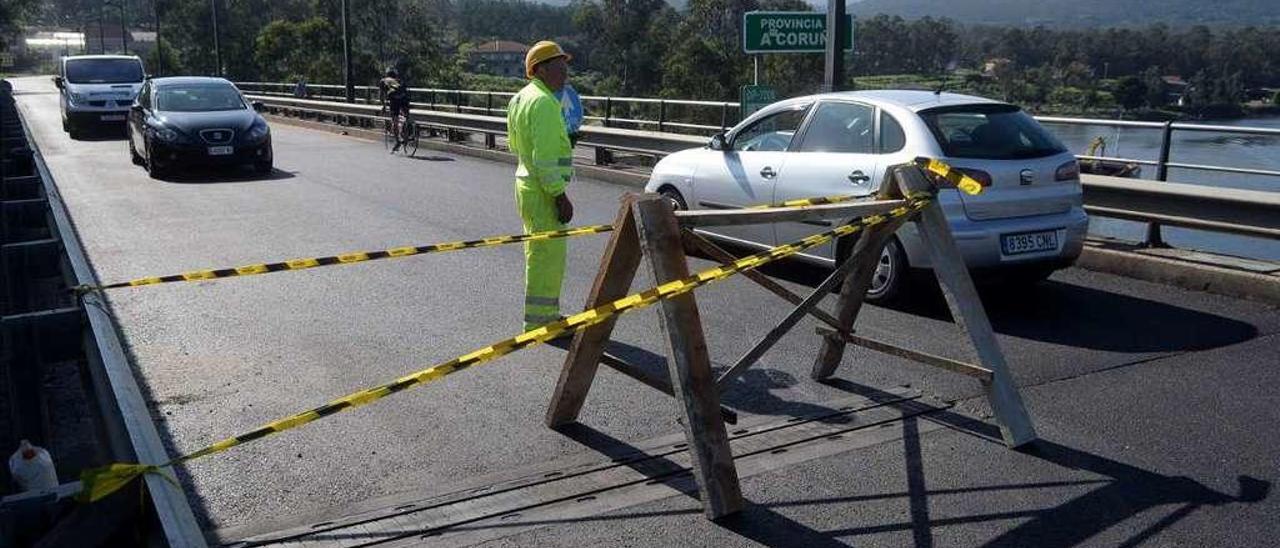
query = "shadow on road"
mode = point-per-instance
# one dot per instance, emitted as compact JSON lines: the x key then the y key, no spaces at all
{"x":1065,"y":314}
{"x":1125,"y":491}
{"x":234,"y":174}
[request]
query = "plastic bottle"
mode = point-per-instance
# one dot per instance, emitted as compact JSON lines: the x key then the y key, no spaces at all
{"x":32,"y":468}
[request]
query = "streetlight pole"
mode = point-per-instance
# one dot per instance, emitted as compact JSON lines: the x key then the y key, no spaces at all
{"x":346,"y":55}
{"x":833,"y":69}
{"x":102,"y":37}
{"x":217,"y":50}
{"x":124,"y":32}
{"x":155,"y":12}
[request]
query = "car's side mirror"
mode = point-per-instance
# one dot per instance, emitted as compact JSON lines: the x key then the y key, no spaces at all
{"x":258,"y":106}
{"x":718,"y":142}
{"x":58,"y":83}
{"x":148,"y":76}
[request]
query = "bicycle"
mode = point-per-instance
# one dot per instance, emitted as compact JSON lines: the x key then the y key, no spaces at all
{"x":407,"y":135}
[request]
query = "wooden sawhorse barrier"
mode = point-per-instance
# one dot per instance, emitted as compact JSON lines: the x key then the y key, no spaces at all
{"x":647,"y":226}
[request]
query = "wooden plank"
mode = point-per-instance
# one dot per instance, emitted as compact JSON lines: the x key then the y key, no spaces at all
{"x":867,"y":250}
{"x":689,"y":363}
{"x":783,"y":327}
{"x":617,"y":270}
{"x":980,"y":373}
{"x":970,"y":317}
{"x":697,"y":241}
{"x":746,"y":216}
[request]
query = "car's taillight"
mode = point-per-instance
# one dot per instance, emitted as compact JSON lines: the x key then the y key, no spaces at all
{"x":1067,"y":172}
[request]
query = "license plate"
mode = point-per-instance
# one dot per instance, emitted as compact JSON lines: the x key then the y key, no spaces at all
{"x":221,"y":151}
{"x":1029,"y":242}
{"x":113,"y":118}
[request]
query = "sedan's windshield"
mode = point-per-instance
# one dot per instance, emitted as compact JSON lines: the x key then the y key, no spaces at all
{"x":198,"y":98}
{"x":995,"y":132}
{"x":104,"y":71}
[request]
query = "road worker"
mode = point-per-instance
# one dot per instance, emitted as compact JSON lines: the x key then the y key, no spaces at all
{"x":537,"y":135}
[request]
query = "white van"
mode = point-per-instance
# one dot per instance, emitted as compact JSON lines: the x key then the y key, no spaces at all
{"x":97,"y":90}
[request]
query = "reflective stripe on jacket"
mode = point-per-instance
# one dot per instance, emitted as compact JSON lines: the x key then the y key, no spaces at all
{"x":536,"y":134}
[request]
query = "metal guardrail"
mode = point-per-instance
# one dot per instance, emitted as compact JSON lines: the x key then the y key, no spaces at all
{"x":130,"y":432}
{"x":623,"y":112}
{"x":1254,"y":213}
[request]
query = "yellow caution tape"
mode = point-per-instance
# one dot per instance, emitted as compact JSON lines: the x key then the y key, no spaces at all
{"x":97,"y":483}
{"x":955,"y":177}
{"x":396,"y":252}
{"x":348,"y":258}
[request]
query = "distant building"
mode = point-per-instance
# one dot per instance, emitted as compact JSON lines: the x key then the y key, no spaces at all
{"x":1175,"y":89}
{"x":995,"y":66}
{"x":500,"y":58}
{"x":105,"y":38}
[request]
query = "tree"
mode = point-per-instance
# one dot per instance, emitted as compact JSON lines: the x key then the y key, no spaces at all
{"x":12,"y":15}
{"x":1130,"y":92}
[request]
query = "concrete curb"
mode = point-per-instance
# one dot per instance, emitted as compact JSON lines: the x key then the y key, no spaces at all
{"x":1108,"y":256}
{"x":1102,"y":256}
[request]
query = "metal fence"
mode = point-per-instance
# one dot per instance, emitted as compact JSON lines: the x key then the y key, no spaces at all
{"x":662,"y":115}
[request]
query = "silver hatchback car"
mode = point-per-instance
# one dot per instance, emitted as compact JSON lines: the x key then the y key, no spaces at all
{"x":1028,"y":221}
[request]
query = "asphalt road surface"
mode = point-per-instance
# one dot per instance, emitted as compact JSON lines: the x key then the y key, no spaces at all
{"x":1156,"y":405}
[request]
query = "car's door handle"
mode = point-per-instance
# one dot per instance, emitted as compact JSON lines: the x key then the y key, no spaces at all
{"x":858,"y":177}
{"x":768,"y":172}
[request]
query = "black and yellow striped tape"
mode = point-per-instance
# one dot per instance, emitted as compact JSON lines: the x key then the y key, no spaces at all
{"x":350,"y":258}
{"x":953,"y":176}
{"x":397,"y":252}
{"x":97,"y":483}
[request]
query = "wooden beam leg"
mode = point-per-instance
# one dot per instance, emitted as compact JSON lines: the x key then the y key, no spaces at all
{"x":805,"y":307}
{"x":867,"y":250}
{"x":966,"y":308}
{"x":691,"y":376}
{"x":617,"y":270}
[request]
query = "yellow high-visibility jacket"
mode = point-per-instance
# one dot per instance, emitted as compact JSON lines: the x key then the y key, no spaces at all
{"x":536,"y":134}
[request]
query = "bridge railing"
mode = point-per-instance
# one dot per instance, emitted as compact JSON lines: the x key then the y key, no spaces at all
{"x":663,"y":115}
{"x":1247,"y":212}
{"x":1163,"y":163}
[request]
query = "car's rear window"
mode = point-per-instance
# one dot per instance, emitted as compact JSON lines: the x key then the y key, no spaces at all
{"x":995,"y":132}
{"x":198,"y":98}
{"x":104,"y":71}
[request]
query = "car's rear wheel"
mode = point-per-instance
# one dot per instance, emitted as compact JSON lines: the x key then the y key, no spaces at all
{"x":892,"y":273}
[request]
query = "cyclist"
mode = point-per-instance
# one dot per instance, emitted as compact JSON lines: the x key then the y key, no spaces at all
{"x":393,"y":93}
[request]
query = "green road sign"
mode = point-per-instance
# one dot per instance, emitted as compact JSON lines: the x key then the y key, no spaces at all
{"x":755,"y":98}
{"x":788,"y":32}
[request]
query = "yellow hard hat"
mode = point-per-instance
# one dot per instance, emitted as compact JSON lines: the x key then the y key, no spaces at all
{"x":545,"y":50}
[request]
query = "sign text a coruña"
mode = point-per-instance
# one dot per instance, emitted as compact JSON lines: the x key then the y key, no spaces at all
{"x":788,"y":32}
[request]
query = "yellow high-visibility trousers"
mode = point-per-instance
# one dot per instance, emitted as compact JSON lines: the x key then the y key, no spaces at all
{"x":544,"y":260}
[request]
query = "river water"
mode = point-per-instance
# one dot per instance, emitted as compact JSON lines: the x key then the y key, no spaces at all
{"x":1221,"y":149}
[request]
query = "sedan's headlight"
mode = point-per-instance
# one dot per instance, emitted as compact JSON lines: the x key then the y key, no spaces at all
{"x":257,"y":132}
{"x":165,"y":134}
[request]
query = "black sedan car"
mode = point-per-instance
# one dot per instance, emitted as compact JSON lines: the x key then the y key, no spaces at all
{"x":186,"y":121}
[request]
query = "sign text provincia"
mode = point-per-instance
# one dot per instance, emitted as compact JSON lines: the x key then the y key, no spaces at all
{"x":788,"y":32}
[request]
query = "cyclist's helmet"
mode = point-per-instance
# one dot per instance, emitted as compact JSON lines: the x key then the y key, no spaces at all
{"x":392,"y":72}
